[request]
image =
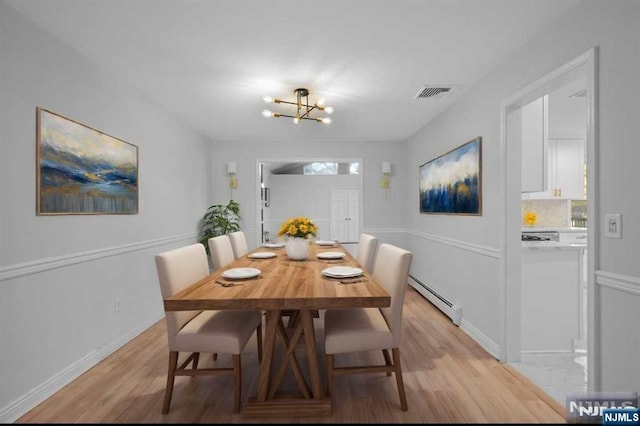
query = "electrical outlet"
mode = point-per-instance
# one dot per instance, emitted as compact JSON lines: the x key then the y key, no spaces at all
{"x":116,"y":305}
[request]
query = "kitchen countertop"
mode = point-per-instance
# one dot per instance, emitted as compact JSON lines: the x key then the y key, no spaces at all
{"x":543,"y":229}
{"x":548,"y":245}
{"x":575,"y":241}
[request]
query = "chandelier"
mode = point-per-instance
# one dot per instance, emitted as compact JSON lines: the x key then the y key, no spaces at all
{"x":303,"y":108}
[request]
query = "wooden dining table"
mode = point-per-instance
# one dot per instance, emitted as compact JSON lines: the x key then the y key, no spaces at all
{"x":300,"y":289}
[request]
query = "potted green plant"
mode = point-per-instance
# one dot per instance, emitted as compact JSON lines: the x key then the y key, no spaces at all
{"x":219,"y":219}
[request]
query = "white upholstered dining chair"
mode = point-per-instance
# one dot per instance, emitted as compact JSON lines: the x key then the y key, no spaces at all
{"x":225,"y":332}
{"x":372,"y":329}
{"x":221,"y":251}
{"x":367,"y":246}
{"x":239,"y":244}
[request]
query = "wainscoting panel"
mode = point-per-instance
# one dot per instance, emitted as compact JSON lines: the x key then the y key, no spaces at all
{"x":61,"y":316}
{"x":462,"y":280}
{"x":618,"y":307}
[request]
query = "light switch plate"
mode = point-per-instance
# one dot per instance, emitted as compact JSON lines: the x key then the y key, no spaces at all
{"x":613,"y":225}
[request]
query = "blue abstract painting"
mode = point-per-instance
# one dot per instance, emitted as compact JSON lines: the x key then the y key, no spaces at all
{"x":451,"y":183}
{"x":82,"y":170}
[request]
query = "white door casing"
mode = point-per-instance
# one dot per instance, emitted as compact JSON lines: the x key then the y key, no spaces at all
{"x":510,"y":238}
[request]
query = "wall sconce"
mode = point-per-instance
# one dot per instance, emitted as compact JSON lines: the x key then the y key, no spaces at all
{"x":231,"y":171}
{"x":386,"y":171}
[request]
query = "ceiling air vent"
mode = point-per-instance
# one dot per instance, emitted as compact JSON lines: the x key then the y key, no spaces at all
{"x":433,"y":91}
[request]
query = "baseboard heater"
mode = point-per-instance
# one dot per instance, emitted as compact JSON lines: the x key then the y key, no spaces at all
{"x":452,"y":310}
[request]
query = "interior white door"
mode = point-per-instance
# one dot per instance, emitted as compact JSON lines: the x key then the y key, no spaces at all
{"x":345,"y":211}
{"x":353,"y":230}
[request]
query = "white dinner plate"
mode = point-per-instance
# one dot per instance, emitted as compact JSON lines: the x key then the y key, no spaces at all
{"x":342,"y":272}
{"x":241,"y":273}
{"x":325,"y":242}
{"x":273,"y":245}
{"x":331,"y":255}
{"x":262,"y":255}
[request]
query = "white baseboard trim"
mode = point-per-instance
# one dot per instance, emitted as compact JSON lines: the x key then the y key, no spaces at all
{"x":487,"y":344}
{"x":450,"y":309}
{"x":455,"y":313}
{"x":19,"y":407}
{"x":46,"y":264}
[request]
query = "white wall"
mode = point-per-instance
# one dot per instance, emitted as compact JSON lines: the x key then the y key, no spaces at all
{"x":567,"y":115}
{"x":60,"y":275}
{"x":447,"y":247}
{"x":301,"y":195}
{"x":383,"y":217}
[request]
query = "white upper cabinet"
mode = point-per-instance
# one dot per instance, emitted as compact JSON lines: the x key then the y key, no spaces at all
{"x":534,"y":130}
{"x":567,"y":135}
{"x":567,"y":168}
{"x":554,"y":129}
{"x":565,"y":171}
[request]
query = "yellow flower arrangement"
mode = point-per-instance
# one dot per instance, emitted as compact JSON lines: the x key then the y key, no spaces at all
{"x":299,"y":227}
{"x":530,"y":218}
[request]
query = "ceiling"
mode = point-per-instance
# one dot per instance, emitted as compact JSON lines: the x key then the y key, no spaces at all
{"x":210,"y":62}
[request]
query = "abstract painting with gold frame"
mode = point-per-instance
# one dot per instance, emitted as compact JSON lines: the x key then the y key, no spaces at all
{"x":452,"y":183}
{"x":81,"y":170}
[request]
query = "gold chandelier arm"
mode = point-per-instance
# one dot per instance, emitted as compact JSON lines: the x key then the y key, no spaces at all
{"x":309,"y":109}
{"x":279,"y":101}
{"x":303,"y":108}
{"x":277,"y":115}
{"x":284,"y":115}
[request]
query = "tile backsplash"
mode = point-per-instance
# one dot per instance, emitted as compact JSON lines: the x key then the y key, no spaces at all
{"x":549,"y":213}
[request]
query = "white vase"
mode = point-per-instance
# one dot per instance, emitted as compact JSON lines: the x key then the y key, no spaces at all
{"x":297,"y":248}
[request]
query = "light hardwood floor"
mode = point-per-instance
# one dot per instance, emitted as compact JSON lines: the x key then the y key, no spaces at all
{"x":448,"y":379}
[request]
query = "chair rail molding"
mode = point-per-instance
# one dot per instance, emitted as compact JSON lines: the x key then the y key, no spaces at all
{"x":374,"y":231}
{"x":620,"y":282}
{"x":475,"y":248}
{"x":46,"y":264}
